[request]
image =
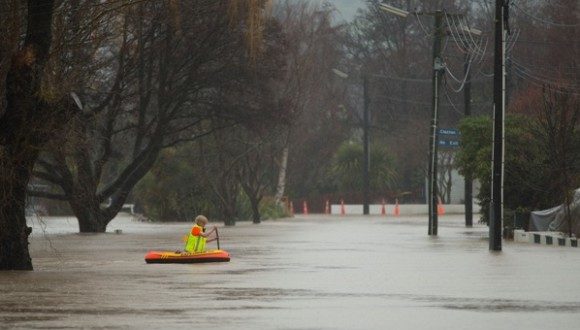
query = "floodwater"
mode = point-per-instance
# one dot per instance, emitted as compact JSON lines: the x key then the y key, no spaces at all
{"x":305,"y":273}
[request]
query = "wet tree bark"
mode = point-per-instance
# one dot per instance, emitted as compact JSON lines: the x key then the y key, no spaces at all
{"x":255,"y":199}
{"x":281,"y":187}
{"x":228,"y":192}
{"x":14,"y":176}
{"x":89,"y":214}
{"x":256,"y":217}
{"x":86,"y":199}
{"x":30,"y":119}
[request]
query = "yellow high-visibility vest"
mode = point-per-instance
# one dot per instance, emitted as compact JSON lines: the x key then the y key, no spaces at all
{"x":195,"y":243}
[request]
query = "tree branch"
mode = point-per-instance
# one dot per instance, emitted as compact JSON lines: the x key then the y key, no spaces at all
{"x":47,"y":195}
{"x":48,"y":177}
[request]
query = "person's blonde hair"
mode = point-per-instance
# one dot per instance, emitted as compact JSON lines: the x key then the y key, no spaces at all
{"x":200,"y":218}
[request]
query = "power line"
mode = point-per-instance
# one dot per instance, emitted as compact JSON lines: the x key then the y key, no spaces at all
{"x":468,"y":46}
{"x":465,"y":27}
{"x":539,"y":19}
{"x":527,"y":41}
{"x":464,"y":46}
{"x":427,"y":34}
{"x":549,"y":80}
{"x":382,"y":97}
{"x":541,"y":83}
{"x":463,"y":80}
{"x":550,"y":66}
{"x":400,"y":78}
{"x":450,"y":101}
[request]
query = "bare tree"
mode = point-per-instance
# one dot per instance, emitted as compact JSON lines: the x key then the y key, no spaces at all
{"x":34,"y":109}
{"x":558,"y":128}
{"x":168,"y":74}
{"x":307,"y":89}
{"x":258,"y":167}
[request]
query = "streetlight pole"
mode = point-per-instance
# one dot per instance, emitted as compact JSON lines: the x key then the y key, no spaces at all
{"x":366,"y":146}
{"x":366,"y":138}
{"x":468,"y":179}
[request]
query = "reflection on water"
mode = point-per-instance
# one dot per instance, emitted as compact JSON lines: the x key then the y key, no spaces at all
{"x":314,"y":273}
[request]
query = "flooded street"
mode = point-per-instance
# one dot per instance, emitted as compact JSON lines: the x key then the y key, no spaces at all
{"x":305,"y":273}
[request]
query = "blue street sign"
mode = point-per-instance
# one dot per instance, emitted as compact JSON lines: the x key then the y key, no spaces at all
{"x":449,"y":131}
{"x":449,"y":143}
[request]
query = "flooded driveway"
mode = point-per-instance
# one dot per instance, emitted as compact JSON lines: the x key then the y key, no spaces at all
{"x":305,"y":273}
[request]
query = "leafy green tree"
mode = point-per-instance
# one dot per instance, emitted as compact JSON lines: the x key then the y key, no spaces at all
{"x":348,"y":168}
{"x":524,"y":180}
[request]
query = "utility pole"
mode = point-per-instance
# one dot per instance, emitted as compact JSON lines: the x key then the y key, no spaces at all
{"x":496,"y":205}
{"x":366,"y":136}
{"x":468,"y":197}
{"x":366,"y":147}
{"x":438,"y":69}
{"x":433,"y":139}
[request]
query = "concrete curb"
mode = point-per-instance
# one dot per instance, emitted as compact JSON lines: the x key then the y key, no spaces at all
{"x":544,"y":238}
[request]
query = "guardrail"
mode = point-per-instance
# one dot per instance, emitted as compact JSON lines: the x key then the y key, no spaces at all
{"x":544,"y":238}
{"x":405,"y":209}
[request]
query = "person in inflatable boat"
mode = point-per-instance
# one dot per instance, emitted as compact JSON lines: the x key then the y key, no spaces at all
{"x":197,"y":236}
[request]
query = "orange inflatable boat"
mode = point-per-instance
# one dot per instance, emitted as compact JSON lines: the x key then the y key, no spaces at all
{"x":178,"y":257}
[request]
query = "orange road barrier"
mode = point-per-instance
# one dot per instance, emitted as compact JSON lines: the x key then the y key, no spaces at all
{"x":342,"y":209}
{"x":305,"y":208}
{"x":440,"y":208}
{"x":327,"y":207}
{"x":397,"y":210}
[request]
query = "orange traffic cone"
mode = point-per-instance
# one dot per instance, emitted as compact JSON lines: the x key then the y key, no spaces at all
{"x":305,"y":208}
{"x":397,"y":210}
{"x":440,"y":208}
{"x":342,"y":210}
{"x":383,"y":208}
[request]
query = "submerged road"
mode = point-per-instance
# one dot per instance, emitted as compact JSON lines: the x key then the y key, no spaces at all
{"x":317,"y":272}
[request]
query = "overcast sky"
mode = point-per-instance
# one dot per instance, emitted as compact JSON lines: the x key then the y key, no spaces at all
{"x":347,"y":8}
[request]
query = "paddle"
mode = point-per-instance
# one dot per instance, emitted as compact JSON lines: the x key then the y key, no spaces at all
{"x":217,"y":236}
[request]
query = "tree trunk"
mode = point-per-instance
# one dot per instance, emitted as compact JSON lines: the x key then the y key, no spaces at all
{"x":85,"y":198}
{"x":255,"y":199}
{"x":84,"y":201}
{"x":227,"y":191}
{"x":92,"y":223}
{"x":255,"y":202}
{"x":89,"y":215}
{"x":281,"y":187}
{"x":256,"y":215}
{"x":14,"y":176}
{"x":26,"y":124}
{"x":229,"y":213}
